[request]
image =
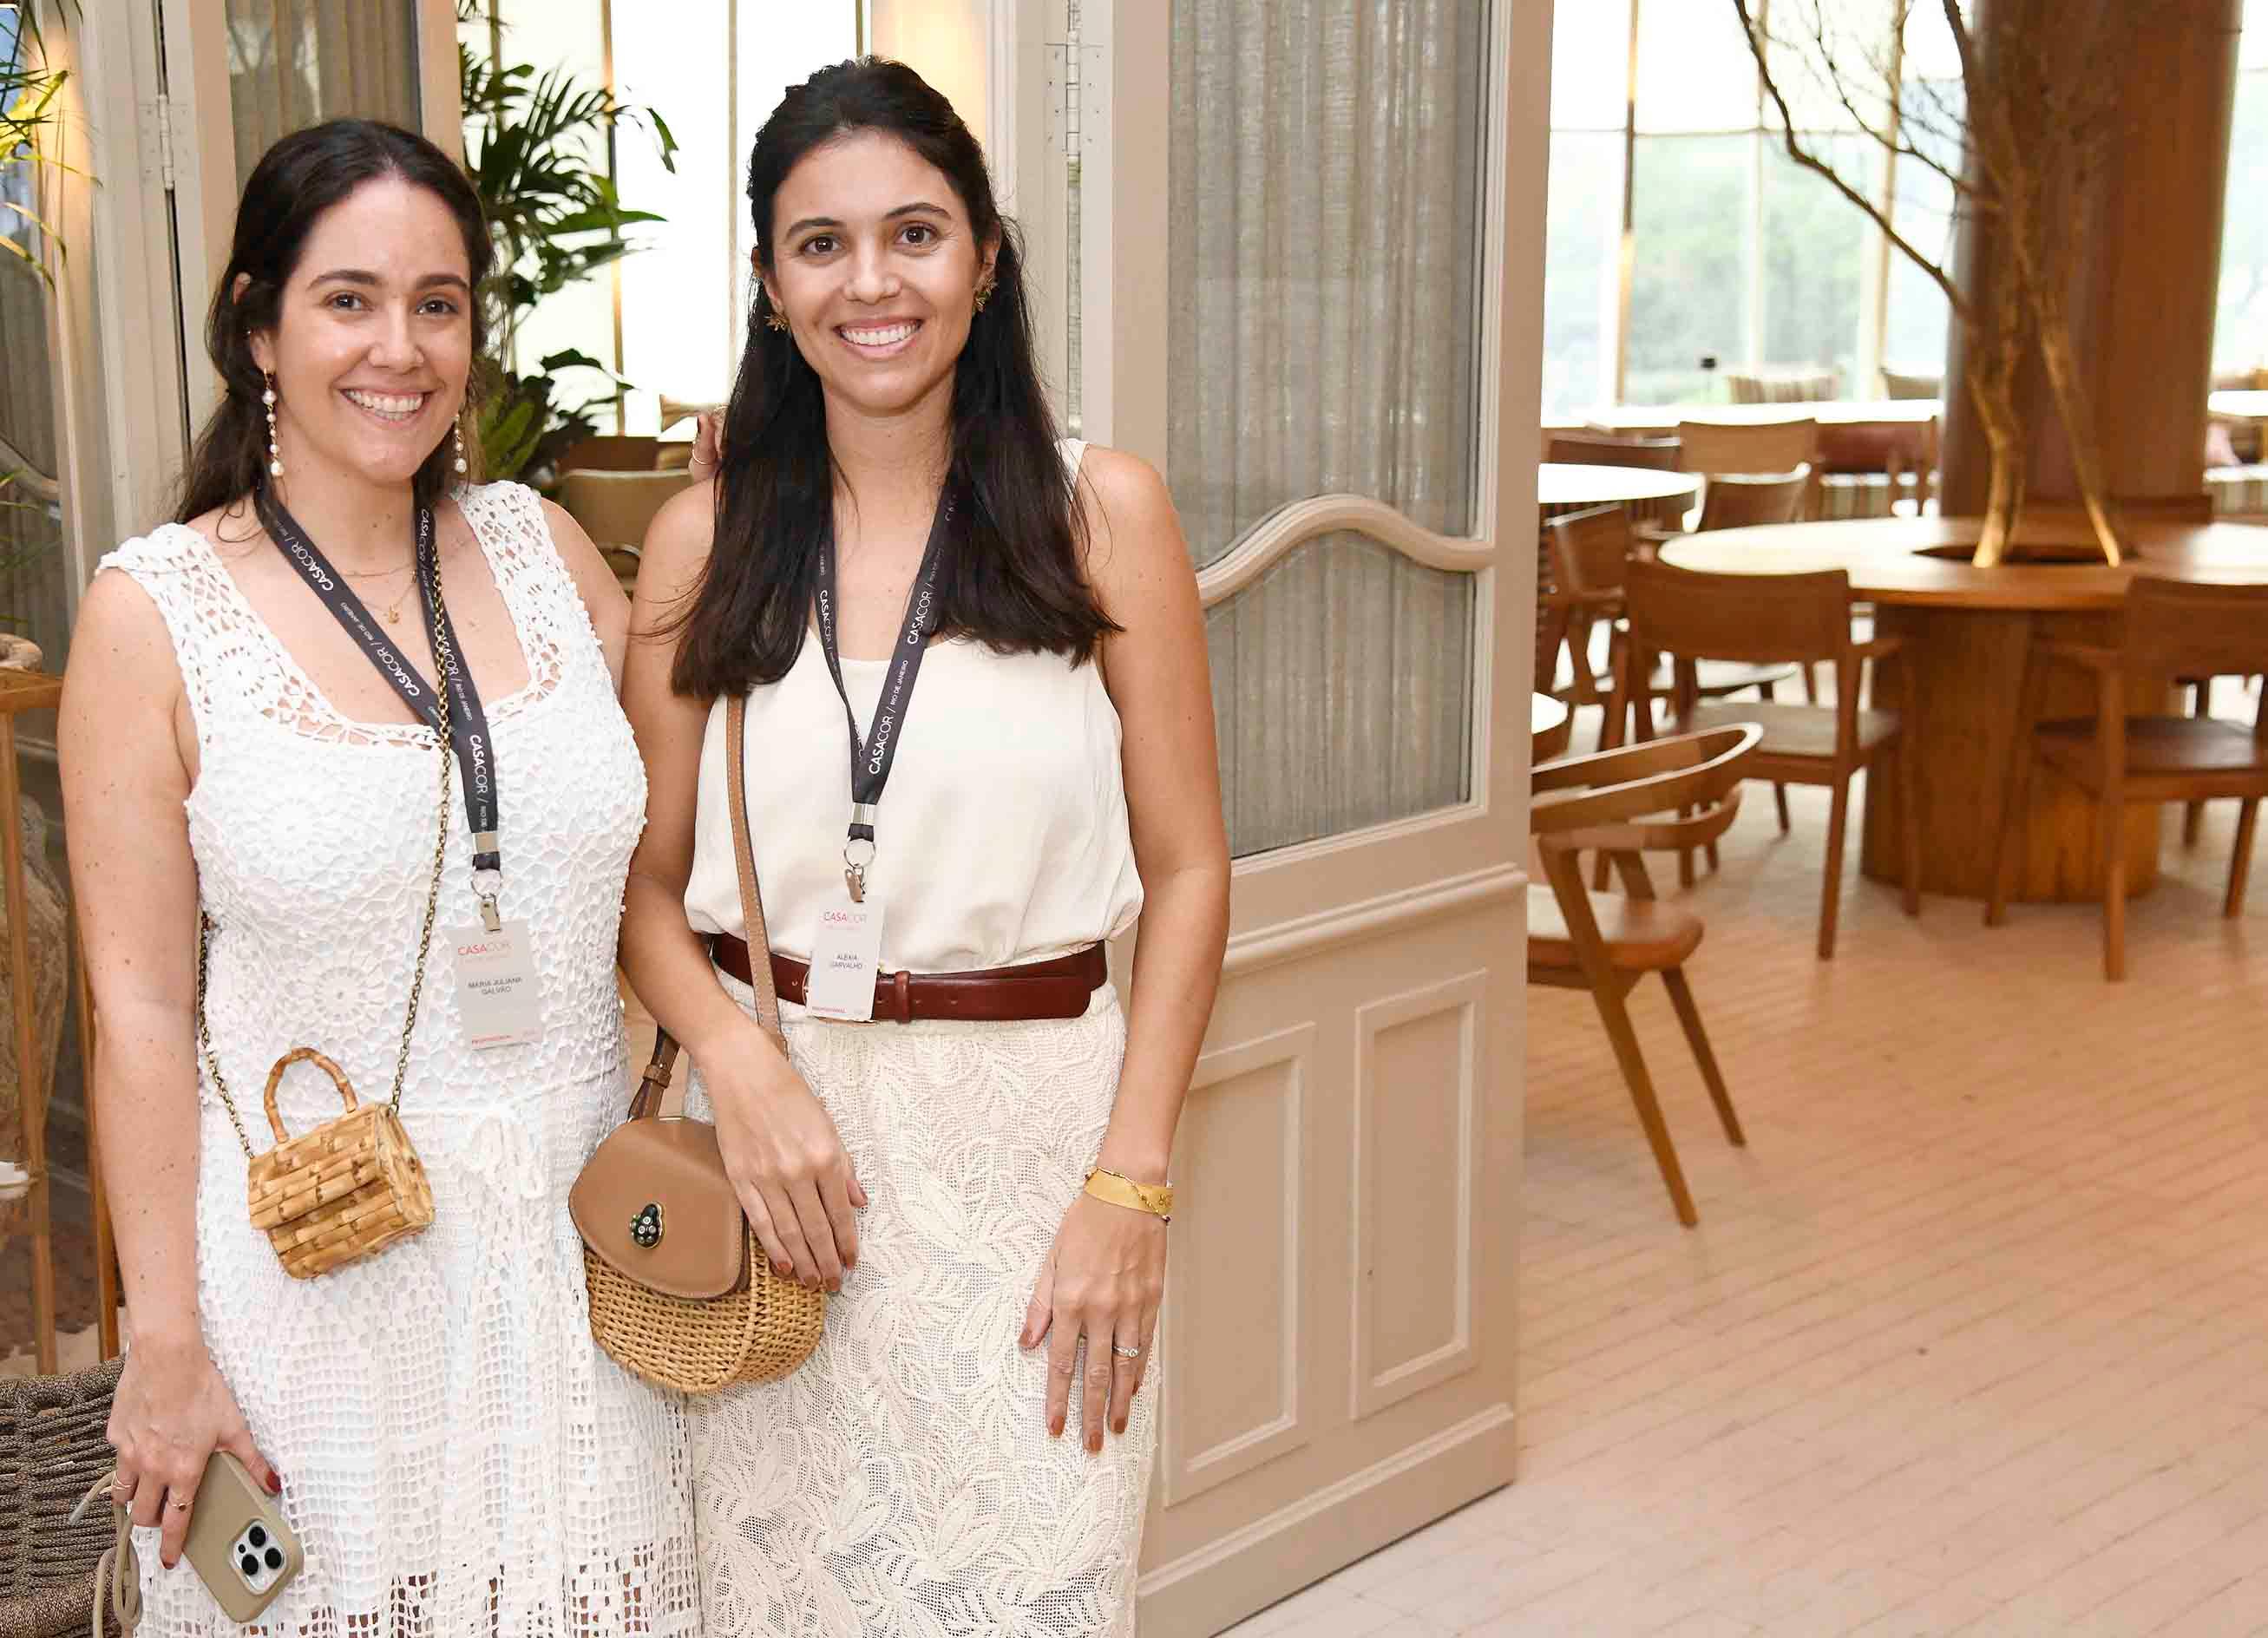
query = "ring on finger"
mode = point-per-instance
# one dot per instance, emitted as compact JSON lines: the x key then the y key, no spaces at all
{"x":175,"y":1504}
{"x":1124,"y":1352}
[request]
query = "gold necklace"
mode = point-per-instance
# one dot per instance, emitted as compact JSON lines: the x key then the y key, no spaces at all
{"x":392,"y":610}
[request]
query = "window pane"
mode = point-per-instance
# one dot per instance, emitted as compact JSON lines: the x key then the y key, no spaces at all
{"x":1914,"y":338}
{"x":1590,"y":65}
{"x":1690,"y":214}
{"x":2252,"y":48}
{"x":2240,"y":340}
{"x":1814,"y":245}
{"x":1581,"y":283}
{"x":1325,"y":170}
{"x":1695,"y":72}
{"x":1832,"y":61}
{"x":292,"y":63}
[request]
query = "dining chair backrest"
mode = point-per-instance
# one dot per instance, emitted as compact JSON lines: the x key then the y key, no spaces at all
{"x":1588,"y":549}
{"x":1763,"y":619}
{"x":1605,"y":449}
{"x":2188,"y":628}
{"x":1744,"y":500}
{"x":1631,"y":782}
{"x":1717,"y":446}
{"x":1899,"y":384}
{"x":1783,"y":386}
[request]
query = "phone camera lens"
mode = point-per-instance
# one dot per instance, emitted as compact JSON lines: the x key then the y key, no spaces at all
{"x":257,"y":1536}
{"x":275,"y":1558}
{"x":249,"y":1565}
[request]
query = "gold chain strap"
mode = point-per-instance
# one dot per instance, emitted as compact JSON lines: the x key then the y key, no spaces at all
{"x":444,"y":660}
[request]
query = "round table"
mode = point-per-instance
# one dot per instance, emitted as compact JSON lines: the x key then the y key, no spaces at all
{"x":1564,"y":487}
{"x":1967,"y":632}
{"x":1548,"y":727}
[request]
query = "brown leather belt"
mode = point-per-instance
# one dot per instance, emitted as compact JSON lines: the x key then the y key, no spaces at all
{"x":1059,"y":988}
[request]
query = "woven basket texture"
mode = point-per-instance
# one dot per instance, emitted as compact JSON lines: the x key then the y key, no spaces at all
{"x":698,"y":1345}
{"x":53,"y":1449}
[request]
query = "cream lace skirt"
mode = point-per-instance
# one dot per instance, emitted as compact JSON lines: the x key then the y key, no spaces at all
{"x":902,"y":1482}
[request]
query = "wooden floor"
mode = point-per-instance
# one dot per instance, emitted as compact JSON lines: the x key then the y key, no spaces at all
{"x":1973,"y":1338}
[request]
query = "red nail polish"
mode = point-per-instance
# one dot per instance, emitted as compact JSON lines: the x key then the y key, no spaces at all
{"x":274,"y":1484}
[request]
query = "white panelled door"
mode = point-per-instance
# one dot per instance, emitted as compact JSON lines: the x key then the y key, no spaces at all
{"x":1291,"y":255}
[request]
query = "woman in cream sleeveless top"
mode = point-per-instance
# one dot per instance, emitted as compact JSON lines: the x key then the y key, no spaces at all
{"x":980,"y":1189}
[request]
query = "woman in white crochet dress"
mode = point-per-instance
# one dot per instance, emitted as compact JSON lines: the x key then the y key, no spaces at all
{"x":453,"y":1453}
{"x":897,"y":550}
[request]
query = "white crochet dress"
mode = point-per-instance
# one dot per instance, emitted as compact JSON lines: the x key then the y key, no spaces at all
{"x":457,"y":1458}
{"x":902,"y":1484}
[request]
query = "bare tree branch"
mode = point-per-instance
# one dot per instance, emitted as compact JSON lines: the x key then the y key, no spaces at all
{"x":1760,"y":48}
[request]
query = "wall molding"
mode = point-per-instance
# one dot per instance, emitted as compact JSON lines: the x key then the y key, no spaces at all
{"x":1292,"y":527}
{"x":1371,"y":918}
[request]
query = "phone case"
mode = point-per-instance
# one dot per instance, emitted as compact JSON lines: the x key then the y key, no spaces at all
{"x":243,"y":1551}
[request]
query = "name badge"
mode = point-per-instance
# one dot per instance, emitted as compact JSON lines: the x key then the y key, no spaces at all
{"x":496,"y":993}
{"x":846,"y":955}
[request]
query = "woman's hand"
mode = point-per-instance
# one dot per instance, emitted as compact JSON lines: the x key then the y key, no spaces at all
{"x":173,"y":1411}
{"x":708,"y":445}
{"x":1102,"y":1279}
{"x":787,"y":1161}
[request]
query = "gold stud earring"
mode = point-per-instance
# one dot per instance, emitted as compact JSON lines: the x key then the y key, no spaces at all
{"x":275,"y":455}
{"x":775,"y":321}
{"x":983,"y":295}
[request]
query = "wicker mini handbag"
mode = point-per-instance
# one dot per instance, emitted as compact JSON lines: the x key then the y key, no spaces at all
{"x":680,"y":1293}
{"x":353,"y":1186}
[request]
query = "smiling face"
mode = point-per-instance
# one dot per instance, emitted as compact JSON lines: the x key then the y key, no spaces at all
{"x":372,"y":343}
{"x":876,"y":268}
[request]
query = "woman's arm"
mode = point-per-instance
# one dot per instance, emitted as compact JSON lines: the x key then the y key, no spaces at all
{"x":1157,"y":672}
{"x":1106,"y":1275}
{"x":602,"y":593}
{"x":123,"y":730}
{"x":785,"y":1157}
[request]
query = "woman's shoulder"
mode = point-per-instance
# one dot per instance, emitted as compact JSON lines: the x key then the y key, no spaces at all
{"x":1129,"y":512}
{"x":171,"y":548}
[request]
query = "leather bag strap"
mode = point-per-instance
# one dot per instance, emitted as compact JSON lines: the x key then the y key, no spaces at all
{"x":654,"y":1092}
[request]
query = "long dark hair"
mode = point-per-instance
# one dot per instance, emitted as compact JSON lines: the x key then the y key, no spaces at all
{"x":295,"y":182}
{"x":1014,"y":577}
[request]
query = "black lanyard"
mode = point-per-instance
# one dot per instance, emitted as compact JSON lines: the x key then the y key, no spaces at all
{"x":467,"y":724}
{"x":872,"y":758}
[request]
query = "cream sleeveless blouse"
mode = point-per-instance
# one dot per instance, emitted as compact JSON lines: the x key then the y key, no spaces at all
{"x":1001,"y":838}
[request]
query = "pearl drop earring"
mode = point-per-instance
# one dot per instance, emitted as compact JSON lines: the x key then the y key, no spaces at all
{"x":275,"y":455}
{"x":457,"y":436}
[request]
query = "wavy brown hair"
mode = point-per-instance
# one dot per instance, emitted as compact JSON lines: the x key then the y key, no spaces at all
{"x":1012,"y":577}
{"x":297,"y":181}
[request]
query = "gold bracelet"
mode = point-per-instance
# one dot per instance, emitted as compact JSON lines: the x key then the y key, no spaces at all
{"x":1157,"y":1199}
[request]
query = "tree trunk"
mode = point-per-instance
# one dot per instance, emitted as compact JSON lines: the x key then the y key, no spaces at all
{"x":1991,"y":388}
{"x":2076,"y":407}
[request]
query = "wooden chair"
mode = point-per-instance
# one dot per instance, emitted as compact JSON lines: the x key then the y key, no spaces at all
{"x":1604,"y":449}
{"x":1588,"y":550}
{"x":1606,"y":942}
{"x":2172,"y":629}
{"x":1773,"y":618}
{"x":1899,"y":384}
{"x":1711,"y":446}
{"x":1745,"y":500}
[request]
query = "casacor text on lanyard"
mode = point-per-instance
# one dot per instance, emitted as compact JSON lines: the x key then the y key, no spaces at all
{"x":871,"y":759}
{"x":495,"y":965}
{"x":846,"y":947}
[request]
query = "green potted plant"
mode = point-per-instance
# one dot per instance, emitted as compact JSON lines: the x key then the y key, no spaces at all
{"x":535,"y":146}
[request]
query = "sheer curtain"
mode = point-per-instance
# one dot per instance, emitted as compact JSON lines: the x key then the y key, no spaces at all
{"x":291,"y":62}
{"x":1326,"y":251}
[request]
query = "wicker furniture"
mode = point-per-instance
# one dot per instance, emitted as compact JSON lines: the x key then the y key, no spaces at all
{"x":54,"y":1449}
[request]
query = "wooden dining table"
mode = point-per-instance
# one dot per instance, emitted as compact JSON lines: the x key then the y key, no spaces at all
{"x":1659,"y":420}
{"x":1968,"y":634}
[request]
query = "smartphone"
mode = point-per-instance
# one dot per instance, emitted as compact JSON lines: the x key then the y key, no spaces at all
{"x":244,"y":1552}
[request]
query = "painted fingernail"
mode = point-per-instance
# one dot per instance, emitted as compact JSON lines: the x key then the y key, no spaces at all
{"x":1119,"y":1426}
{"x":275,"y":1484}
{"x":783,"y":1269}
{"x":833,"y":1285}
